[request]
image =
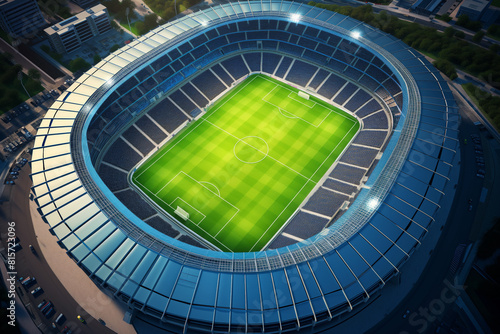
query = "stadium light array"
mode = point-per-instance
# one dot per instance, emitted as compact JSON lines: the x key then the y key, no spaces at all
{"x":295,"y":18}
{"x":356,"y":34}
{"x":373,"y":204}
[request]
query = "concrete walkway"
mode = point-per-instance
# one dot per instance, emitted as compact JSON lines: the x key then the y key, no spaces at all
{"x":92,"y":300}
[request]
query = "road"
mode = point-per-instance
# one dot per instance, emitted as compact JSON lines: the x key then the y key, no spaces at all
{"x":29,"y":264}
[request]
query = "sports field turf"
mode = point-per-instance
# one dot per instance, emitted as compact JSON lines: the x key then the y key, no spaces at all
{"x":245,"y":167}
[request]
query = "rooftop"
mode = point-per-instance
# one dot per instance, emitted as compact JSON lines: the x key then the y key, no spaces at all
{"x":59,"y":27}
{"x":477,"y":5}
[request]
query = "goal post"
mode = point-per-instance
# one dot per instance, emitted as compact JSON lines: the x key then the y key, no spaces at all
{"x":303,"y":95}
{"x":182,"y":213}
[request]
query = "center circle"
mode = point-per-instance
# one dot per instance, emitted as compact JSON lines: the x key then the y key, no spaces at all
{"x":251,"y":149}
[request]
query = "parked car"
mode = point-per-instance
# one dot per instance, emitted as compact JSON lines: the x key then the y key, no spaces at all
{"x":35,"y":292}
{"x":28,"y":281}
{"x":42,"y":304}
{"x":46,"y":307}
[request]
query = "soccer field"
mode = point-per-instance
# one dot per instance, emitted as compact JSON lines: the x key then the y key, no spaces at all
{"x":245,"y":167}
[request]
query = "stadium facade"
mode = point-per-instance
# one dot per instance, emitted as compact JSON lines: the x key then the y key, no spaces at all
{"x":298,"y":286}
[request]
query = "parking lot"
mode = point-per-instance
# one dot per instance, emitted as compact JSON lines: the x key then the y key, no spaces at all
{"x":18,"y":125}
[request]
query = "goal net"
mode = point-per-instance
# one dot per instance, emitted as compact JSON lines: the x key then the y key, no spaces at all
{"x":182,"y":213}
{"x":304,"y":95}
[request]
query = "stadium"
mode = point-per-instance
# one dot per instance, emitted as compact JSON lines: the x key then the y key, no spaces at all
{"x":367,"y":121}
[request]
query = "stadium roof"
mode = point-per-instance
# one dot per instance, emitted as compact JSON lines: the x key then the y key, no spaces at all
{"x":318,"y":278}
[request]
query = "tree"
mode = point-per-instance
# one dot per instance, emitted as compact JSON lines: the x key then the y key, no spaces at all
{"x":446,"y":67}
{"x":446,"y":18}
{"x":449,"y":32}
{"x":494,"y":48}
{"x":114,"y":48}
{"x":478,"y":36}
{"x":494,"y":30}
{"x":464,"y":21}
{"x":34,"y":74}
{"x":150,"y":22}
{"x":459,"y":34}
{"x":78,"y":64}
{"x":97,"y":58}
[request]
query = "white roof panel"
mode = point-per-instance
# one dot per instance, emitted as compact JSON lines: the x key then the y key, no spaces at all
{"x":111,"y":68}
{"x":94,"y":82}
{"x":135,"y":52}
{"x":101,"y":74}
{"x":54,"y":151}
{"x":56,"y":162}
{"x":143,"y":47}
{"x":57,"y":139}
{"x":167,"y":34}
{"x":70,"y":209}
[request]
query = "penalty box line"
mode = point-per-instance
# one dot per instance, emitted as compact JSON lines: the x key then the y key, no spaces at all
{"x":298,"y":101}
{"x":201,"y":228}
{"x":201,"y":184}
{"x":291,"y":113}
{"x":192,"y":207}
{"x":279,"y":84}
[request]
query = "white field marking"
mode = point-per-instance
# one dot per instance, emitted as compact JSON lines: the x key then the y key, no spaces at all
{"x":272,"y":90}
{"x":216,"y":234}
{"x":291,"y":113}
{"x":348,"y":132}
{"x":153,"y":196}
{"x":281,"y":112}
{"x":192,"y":207}
{"x":230,"y":134}
{"x":341,"y":113}
{"x":274,"y":221}
{"x":291,"y":97}
{"x":230,"y":96}
{"x":218,"y":191}
{"x":166,"y":151}
{"x":303,"y":186}
{"x":237,"y":210}
{"x":195,"y":180}
{"x":243,"y":141}
{"x":166,"y":184}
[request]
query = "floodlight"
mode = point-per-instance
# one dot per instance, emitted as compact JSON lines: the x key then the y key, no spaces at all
{"x":295,"y":18}
{"x":373,"y":203}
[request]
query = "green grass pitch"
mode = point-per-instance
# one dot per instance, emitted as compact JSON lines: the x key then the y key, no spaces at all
{"x":244,"y":168}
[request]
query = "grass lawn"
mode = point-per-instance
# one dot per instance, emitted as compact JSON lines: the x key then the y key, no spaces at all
{"x":132,"y":26}
{"x":245,"y":167}
{"x":474,"y":99}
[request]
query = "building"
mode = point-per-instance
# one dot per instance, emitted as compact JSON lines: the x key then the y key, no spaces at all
{"x":20,"y":18}
{"x":169,"y":280}
{"x":474,"y":9}
{"x":425,"y":7}
{"x":85,"y":3}
{"x":68,"y":35}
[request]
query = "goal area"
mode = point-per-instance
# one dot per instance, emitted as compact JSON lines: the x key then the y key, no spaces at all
{"x":182,"y":213}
